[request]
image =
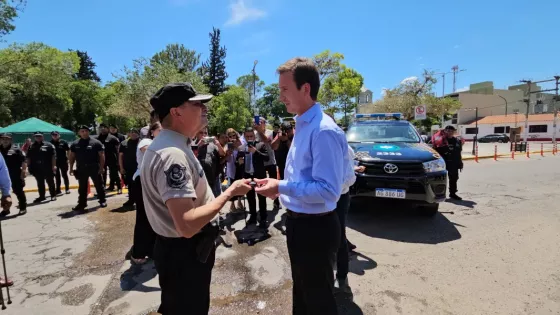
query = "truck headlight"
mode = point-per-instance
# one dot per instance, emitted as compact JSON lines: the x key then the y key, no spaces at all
{"x":434,"y":166}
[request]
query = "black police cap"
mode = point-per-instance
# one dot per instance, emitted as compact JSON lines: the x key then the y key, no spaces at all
{"x":6,"y":135}
{"x":113,"y":126}
{"x":134,"y":130}
{"x":55,"y":133}
{"x":82,"y":127}
{"x":175,"y":95}
{"x":103,"y":125}
{"x":38,"y":134}
{"x":450,"y":128}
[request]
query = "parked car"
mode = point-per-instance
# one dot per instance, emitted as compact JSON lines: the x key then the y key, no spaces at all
{"x":501,"y":138}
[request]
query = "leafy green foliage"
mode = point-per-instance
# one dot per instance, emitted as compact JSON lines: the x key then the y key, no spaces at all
{"x":230,"y":110}
{"x":214,"y":69}
{"x":8,"y":12}
{"x":252,"y":84}
{"x":183,"y":59}
{"x":269,"y":104}
{"x":87,"y":68}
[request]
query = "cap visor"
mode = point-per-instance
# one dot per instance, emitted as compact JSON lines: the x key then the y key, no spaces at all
{"x":201,"y":98}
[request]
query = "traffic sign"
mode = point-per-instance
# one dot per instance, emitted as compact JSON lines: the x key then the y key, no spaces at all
{"x":420,"y":112}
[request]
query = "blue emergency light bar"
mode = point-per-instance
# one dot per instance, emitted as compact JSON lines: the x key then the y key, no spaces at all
{"x":379,"y":116}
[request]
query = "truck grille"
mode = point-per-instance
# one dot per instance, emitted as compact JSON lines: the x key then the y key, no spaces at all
{"x":405,"y":169}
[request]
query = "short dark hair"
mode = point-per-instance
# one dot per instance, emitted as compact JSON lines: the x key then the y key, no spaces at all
{"x":304,"y":71}
{"x":154,"y":126}
{"x":249,"y":129}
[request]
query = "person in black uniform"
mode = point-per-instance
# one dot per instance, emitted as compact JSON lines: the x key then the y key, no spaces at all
{"x":17,"y":168}
{"x":128,"y":164}
{"x":114,"y":131}
{"x":450,"y":149}
{"x":255,"y":154}
{"x":41,"y":159}
{"x":62,"y":149}
{"x":89,"y":155}
{"x":111,"y":144}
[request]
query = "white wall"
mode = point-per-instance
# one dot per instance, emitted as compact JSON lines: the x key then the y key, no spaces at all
{"x":486,"y":129}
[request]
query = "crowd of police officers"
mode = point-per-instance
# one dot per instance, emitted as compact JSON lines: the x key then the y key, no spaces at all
{"x":89,"y":157}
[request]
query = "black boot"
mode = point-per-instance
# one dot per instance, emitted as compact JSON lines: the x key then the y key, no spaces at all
{"x":454,"y":196}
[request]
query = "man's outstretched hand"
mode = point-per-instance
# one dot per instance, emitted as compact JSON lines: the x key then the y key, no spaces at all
{"x":267,"y":187}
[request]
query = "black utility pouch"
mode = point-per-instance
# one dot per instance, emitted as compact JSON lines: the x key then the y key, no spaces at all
{"x":207,"y":241}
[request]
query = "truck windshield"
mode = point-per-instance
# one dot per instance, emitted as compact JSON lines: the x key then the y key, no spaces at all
{"x":382,"y":133}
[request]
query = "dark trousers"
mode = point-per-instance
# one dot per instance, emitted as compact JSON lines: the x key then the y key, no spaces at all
{"x":252,"y":201}
{"x":342,"y":207}
{"x":17,"y":188}
{"x":42,"y":175}
{"x":144,"y":235}
{"x":184,"y":281}
{"x":281,"y":171}
{"x":62,"y":170}
{"x":129,"y":182}
{"x":114,"y":178}
{"x":453,"y":175}
{"x":312,"y":245}
{"x":84,"y":174}
{"x":272,"y":173}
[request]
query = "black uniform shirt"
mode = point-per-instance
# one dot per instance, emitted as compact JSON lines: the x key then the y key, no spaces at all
{"x":128,"y":149}
{"x":282,"y":152}
{"x":62,"y":148}
{"x":87,"y":151}
{"x":41,"y":154}
{"x":111,"y":144}
{"x":119,"y":136}
{"x":14,"y":157}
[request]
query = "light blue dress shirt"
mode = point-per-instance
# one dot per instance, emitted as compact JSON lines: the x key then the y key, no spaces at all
{"x":5,"y":182}
{"x":315,"y":168}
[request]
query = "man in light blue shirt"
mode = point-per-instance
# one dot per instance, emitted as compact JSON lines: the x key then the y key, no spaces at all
{"x":313,"y":180}
{"x":5,"y":185}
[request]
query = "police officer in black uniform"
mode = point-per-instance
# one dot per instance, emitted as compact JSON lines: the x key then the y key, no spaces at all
{"x":111,"y":144}
{"x":17,"y":167}
{"x":41,"y":159}
{"x":62,"y":148}
{"x":450,"y":150}
{"x":128,"y":163}
{"x":114,"y":131}
{"x":89,"y":155}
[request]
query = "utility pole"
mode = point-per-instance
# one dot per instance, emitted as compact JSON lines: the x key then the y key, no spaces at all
{"x":528,"y":102}
{"x":475,"y":140}
{"x":555,"y":99}
{"x":253,"y":100}
{"x":455,"y":70}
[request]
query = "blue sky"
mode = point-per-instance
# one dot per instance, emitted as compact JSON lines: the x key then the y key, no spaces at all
{"x":386,"y":41}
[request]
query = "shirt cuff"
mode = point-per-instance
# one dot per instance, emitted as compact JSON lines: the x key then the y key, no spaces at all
{"x":284,"y":188}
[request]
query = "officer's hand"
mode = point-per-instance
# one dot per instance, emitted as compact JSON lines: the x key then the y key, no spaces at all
{"x":241,"y":160}
{"x":54,"y":169}
{"x":252,"y":149}
{"x":240,"y":187}
{"x":71,"y":172}
{"x":6,"y":203}
{"x":23,"y":174}
{"x":101,"y":171}
{"x":122,"y":171}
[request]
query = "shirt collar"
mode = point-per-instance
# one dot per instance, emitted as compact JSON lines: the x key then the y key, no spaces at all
{"x":310,"y":113}
{"x":174,"y":136}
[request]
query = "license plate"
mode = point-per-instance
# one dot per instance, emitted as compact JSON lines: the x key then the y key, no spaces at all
{"x":390,"y":193}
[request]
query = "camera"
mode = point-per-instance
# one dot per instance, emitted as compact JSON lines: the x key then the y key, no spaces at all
{"x":208,"y":139}
{"x":251,"y":143}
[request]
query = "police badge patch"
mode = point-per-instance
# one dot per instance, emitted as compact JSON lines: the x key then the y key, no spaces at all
{"x":176,"y":177}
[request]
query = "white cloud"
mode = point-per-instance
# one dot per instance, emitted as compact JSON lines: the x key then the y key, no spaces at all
{"x":409,"y":79}
{"x":242,"y":11}
{"x":456,"y":46}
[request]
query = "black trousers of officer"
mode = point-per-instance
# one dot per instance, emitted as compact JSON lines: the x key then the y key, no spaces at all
{"x":144,"y":235}
{"x":342,"y":259}
{"x":84,"y":173}
{"x":114,"y":178}
{"x":62,"y":170}
{"x":183,"y":279}
{"x":453,"y":174}
{"x":129,"y":182}
{"x":17,"y":187}
{"x":313,"y":241}
{"x":252,"y":201}
{"x":42,"y":174}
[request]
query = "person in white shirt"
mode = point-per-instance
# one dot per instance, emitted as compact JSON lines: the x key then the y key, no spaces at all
{"x":144,"y":235}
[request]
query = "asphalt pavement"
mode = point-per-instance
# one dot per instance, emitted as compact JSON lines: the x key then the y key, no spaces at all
{"x":496,"y":252}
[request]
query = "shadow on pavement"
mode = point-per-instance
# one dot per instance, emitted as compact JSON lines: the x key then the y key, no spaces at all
{"x":346,"y":305}
{"x":133,"y":278}
{"x":400,"y":223}
{"x":72,"y":213}
{"x":359,"y":263}
{"x":281,"y":224}
{"x":464,"y":203}
{"x":123,"y":209}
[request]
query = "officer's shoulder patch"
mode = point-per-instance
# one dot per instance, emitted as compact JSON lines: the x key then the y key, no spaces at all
{"x":176,"y":176}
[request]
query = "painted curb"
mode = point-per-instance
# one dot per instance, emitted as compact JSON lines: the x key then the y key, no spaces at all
{"x":520,"y":154}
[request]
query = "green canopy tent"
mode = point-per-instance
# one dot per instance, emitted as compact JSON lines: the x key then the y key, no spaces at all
{"x":26,"y":128}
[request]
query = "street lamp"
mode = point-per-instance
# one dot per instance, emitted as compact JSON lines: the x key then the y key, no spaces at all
{"x":504,"y":101}
{"x":254,"y":99}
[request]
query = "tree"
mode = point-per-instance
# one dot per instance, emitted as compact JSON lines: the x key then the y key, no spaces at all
{"x":38,"y":79}
{"x":8,"y":12}
{"x":327,"y":63}
{"x":253,"y":85}
{"x":340,"y":91}
{"x":214,"y":69}
{"x":230,"y":110}
{"x":87,"y":68}
{"x":413,"y":91}
{"x":269,"y":104}
{"x":184,"y":60}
